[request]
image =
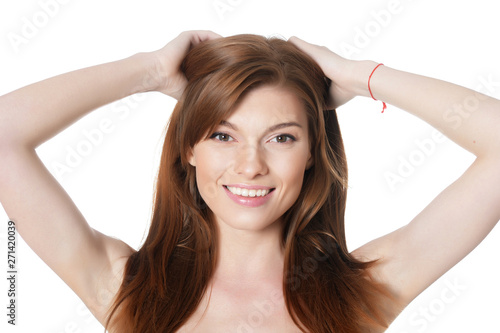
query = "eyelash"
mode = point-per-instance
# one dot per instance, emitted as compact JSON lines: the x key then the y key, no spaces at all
{"x":219,"y":134}
{"x":287,"y":136}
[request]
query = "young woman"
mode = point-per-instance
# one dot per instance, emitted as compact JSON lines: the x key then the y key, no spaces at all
{"x":247,"y":233}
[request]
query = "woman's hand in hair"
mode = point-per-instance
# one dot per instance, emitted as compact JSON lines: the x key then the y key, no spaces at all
{"x":168,"y":77}
{"x":349,"y":77}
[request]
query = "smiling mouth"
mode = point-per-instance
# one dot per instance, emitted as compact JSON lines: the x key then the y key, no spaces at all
{"x":249,"y":193}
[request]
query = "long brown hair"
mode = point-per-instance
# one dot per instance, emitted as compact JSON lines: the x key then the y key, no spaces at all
{"x":325,"y":288}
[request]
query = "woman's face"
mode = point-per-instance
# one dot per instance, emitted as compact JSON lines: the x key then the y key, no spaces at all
{"x":250,"y":170}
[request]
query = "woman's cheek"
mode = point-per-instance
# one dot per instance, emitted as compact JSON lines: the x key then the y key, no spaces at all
{"x":211,"y":173}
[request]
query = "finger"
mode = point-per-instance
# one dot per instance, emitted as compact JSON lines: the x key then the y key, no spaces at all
{"x":203,"y":35}
{"x":303,"y":45}
{"x":297,"y":42}
{"x":187,"y":39}
{"x":195,"y":37}
{"x":318,"y":53}
{"x":311,"y":49}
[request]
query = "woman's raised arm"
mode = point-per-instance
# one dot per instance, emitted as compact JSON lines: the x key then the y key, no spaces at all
{"x":461,"y":216}
{"x":44,"y":214}
{"x":35,"y":113}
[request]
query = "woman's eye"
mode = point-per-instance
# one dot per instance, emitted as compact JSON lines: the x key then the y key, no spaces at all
{"x":283,"y":138}
{"x":221,"y":137}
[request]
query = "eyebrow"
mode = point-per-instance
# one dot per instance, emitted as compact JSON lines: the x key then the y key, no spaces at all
{"x":270,"y":129}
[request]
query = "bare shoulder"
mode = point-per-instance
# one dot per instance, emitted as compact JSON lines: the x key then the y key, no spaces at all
{"x":109,"y":278}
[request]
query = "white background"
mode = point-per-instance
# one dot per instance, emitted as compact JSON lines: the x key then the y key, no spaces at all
{"x":452,"y":40}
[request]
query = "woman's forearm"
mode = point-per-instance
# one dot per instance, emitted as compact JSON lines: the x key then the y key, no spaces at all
{"x":470,"y":119}
{"x":35,"y":113}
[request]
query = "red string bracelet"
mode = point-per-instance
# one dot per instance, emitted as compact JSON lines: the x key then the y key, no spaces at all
{"x":384,"y":106}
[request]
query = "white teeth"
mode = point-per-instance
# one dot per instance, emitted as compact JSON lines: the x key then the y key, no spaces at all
{"x":248,"y":193}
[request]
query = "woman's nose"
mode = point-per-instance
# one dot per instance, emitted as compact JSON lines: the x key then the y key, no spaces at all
{"x":250,"y":161}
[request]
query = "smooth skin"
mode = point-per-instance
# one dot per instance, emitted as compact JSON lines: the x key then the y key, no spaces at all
{"x":91,"y":263}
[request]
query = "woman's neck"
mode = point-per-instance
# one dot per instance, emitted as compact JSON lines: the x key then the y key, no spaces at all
{"x":250,"y":256}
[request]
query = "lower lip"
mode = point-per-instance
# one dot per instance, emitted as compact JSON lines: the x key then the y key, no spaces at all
{"x":248,"y":201}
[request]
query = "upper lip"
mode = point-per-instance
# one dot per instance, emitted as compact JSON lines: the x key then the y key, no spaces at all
{"x":250,"y":187}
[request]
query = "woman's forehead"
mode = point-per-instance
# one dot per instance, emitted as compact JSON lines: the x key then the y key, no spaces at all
{"x":268,"y":104}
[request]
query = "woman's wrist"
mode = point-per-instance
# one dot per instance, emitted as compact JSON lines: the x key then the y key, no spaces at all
{"x":151,"y":77}
{"x":359,"y":74}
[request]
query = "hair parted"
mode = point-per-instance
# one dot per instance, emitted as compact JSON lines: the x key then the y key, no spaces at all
{"x":325,"y":288}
